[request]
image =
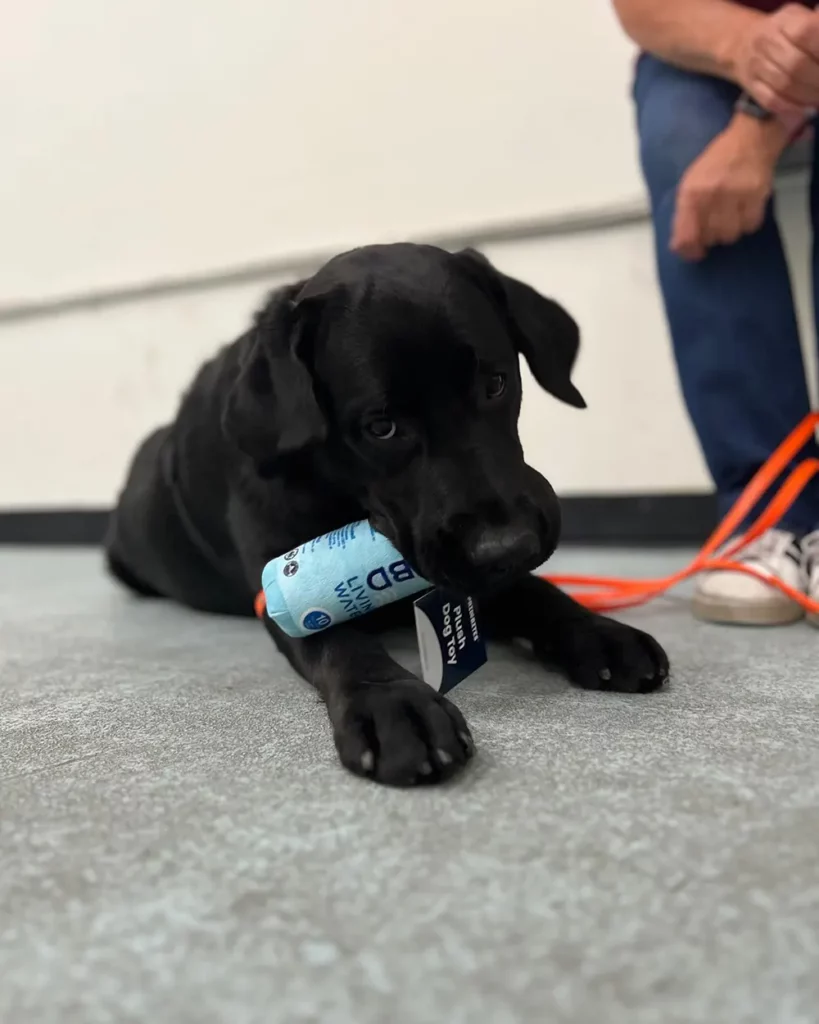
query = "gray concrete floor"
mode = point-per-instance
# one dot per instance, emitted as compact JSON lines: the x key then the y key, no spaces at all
{"x":177,"y":843}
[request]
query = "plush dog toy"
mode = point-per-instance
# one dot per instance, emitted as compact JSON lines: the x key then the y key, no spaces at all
{"x":336,"y":577}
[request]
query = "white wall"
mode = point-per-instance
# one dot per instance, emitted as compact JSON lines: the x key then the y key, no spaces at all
{"x":145,"y":138}
{"x":144,"y":141}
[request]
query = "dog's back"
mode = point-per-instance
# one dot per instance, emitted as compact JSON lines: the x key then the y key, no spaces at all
{"x":168,"y":535}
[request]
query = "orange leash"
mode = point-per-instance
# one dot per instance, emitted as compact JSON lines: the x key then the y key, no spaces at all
{"x":607,"y":593}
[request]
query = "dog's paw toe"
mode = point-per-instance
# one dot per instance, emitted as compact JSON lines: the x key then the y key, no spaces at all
{"x":606,"y":655}
{"x":402,"y":734}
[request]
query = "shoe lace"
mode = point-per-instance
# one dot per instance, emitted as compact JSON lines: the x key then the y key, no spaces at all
{"x":810,"y":547}
{"x":770,"y":546}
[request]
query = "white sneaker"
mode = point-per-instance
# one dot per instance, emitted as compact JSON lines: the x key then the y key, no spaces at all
{"x":810,"y":570}
{"x":735,"y":597}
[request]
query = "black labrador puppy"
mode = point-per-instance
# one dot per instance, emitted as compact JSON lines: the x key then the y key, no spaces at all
{"x":386,"y":387}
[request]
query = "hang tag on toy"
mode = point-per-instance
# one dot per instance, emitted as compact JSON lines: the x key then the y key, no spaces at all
{"x":449,"y":639}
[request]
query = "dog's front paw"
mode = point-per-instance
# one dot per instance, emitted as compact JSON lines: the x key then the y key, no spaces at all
{"x":598,"y":653}
{"x":401,"y":733}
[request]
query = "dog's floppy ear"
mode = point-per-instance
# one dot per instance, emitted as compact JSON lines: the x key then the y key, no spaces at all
{"x":271,"y":409}
{"x":544,"y":333}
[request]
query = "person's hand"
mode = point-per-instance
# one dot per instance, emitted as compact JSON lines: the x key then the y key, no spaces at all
{"x":724,"y":193}
{"x":778,"y":62}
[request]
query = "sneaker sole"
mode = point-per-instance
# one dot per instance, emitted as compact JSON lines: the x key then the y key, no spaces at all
{"x":734,"y":613}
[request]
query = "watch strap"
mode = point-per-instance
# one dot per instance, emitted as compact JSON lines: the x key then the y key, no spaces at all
{"x":746,"y":104}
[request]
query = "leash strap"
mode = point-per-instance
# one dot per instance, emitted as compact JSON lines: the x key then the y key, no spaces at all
{"x":608,"y":593}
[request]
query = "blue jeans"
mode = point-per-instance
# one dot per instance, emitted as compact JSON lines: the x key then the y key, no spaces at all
{"x":731,"y":316}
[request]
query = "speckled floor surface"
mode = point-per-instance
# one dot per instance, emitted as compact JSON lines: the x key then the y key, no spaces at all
{"x":177,"y":843}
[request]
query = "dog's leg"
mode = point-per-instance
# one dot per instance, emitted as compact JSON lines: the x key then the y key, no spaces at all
{"x":595,"y":652}
{"x":387,"y":724}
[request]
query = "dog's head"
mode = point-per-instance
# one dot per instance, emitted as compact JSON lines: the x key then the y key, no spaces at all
{"x":397,"y":368}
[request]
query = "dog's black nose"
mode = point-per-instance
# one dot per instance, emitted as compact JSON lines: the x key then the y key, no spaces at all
{"x":505,"y":547}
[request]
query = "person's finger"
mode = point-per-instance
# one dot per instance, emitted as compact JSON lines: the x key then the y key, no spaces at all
{"x":800,"y":26}
{"x":753,"y":214}
{"x":686,"y":232}
{"x":723,"y":224}
{"x":790,"y":89}
{"x":787,"y":110}
{"x":799,"y":68}
{"x":734,"y":218}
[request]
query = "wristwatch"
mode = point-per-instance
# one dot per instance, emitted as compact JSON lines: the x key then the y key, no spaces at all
{"x":746,"y":104}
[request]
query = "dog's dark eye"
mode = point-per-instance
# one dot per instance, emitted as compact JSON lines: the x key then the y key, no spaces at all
{"x":383,"y":429}
{"x":496,"y":385}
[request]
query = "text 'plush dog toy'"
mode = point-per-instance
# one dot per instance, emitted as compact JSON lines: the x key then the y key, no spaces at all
{"x":336,"y":577}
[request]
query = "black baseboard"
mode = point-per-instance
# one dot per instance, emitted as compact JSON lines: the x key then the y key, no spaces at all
{"x":54,"y":527}
{"x":639,"y":520}
{"x":645,"y":520}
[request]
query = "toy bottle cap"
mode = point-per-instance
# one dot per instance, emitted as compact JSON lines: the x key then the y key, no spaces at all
{"x":276,"y":607}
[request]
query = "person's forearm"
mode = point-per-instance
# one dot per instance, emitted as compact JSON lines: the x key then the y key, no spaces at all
{"x":699,"y":35}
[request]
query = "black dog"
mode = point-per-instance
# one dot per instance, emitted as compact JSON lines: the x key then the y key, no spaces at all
{"x":385,"y":387}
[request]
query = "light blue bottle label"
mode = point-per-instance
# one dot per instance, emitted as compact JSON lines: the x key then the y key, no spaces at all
{"x":339,"y":576}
